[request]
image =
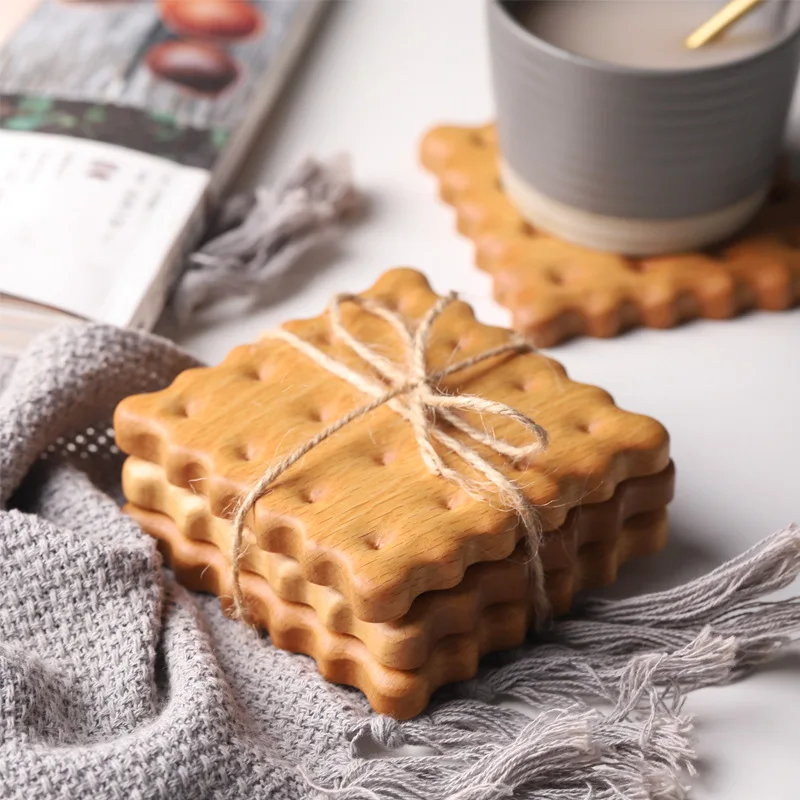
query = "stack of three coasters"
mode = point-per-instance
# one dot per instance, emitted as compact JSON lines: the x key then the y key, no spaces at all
{"x":393,"y":578}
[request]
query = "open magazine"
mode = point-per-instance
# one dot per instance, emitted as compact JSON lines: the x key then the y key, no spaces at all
{"x":117,"y":121}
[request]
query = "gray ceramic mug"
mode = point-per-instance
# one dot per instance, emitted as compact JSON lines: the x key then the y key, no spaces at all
{"x":631,"y":160}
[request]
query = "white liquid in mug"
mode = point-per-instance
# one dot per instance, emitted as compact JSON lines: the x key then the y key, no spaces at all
{"x":650,"y":34}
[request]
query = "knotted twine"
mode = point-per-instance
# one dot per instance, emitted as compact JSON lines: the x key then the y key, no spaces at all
{"x":417,"y":396}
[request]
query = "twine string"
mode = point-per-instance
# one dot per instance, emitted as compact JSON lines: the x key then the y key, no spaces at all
{"x":417,"y":396}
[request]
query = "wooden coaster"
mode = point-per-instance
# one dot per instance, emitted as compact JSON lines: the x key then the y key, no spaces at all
{"x":361,"y":512}
{"x":556,"y":290}
{"x":345,"y":659}
{"x":585,"y":552}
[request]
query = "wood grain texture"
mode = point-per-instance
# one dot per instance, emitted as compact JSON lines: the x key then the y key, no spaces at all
{"x":403,"y":694}
{"x":582,"y":553}
{"x":361,"y":512}
{"x":556,"y":291}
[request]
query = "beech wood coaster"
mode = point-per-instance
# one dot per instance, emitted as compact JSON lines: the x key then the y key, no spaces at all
{"x":362,"y":513}
{"x":346,"y":659}
{"x":585,"y":552}
{"x":389,"y":574}
{"x":556,"y":291}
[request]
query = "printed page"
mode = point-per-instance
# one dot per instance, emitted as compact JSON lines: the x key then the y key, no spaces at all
{"x":85,"y":226}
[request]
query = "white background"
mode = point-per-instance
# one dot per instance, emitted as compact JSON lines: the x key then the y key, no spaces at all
{"x":379,"y":74}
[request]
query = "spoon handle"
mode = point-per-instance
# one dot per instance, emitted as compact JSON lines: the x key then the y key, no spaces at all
{"x":725,"y":17}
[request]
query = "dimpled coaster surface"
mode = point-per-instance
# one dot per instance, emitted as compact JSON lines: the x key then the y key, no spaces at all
{"x":585,"y":552}
{"x":361,"y":512}
{"x":345,"y":659}
{"x":557,"y":290}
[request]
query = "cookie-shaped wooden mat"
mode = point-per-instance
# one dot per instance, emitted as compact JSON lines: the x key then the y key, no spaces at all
{"x":557,"y":290}
{"x":344,"y":659}
{"x":584,"y":552}
{"x":361,"y":512}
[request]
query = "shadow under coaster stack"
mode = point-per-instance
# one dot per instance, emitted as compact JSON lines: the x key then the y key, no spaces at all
{"x":394,"y":579}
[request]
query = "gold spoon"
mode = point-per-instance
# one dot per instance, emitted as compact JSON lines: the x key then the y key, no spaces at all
{"x":725,"y":17}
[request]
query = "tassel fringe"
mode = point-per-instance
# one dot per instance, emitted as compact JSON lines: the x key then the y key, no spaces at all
{"x":603,"y":697}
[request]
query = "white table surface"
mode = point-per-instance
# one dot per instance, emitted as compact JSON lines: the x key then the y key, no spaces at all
{"x":379,"y":74}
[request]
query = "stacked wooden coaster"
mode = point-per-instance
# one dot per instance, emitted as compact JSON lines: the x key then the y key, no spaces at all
{"x":392,"y":578}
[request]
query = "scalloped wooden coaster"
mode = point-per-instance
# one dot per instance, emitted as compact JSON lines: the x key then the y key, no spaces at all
{"x":585,"y":552}
{"x":556,"y":291}
{"x":345,"y":659}
{"x":362,"y":513}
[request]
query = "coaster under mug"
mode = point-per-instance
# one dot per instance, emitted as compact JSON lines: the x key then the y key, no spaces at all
{"x":556,"y":290}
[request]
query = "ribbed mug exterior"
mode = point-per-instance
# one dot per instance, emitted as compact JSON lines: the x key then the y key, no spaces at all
{"x":631,"y":144}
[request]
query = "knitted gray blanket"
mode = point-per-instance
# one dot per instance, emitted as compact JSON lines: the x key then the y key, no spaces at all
{"x":115,"y":682}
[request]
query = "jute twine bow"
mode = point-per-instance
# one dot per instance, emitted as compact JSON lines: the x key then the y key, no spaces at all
{"x":416,"y":395}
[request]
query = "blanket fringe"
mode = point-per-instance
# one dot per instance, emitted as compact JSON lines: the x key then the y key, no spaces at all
{"x":258,"y":236}
{"x":603,"y":695}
